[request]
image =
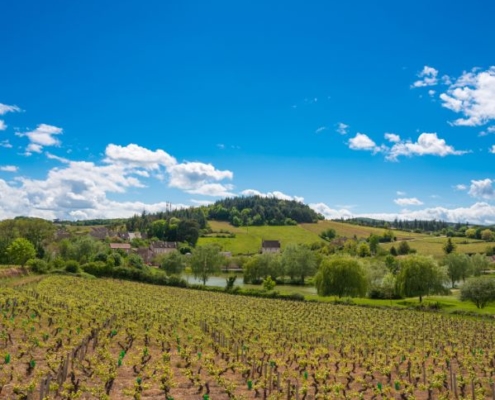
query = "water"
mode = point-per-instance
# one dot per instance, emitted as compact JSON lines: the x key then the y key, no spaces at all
{"x":220,"y":281}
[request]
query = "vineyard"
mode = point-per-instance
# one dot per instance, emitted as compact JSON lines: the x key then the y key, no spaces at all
{"x":68,"y":338}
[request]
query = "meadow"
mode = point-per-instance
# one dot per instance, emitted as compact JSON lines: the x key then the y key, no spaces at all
{"x":66,"y":338}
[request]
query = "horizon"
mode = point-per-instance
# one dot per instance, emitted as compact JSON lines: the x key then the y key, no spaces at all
{"x":384,"y":110}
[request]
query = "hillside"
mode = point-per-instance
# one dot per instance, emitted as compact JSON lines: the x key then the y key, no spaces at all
{"x":247,"y":240}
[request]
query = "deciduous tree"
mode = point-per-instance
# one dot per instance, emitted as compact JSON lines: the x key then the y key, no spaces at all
{"x":20,"y":250}
{"x":206,"y":261}
{"x":340,"y":276}
{"x":480,"y":290}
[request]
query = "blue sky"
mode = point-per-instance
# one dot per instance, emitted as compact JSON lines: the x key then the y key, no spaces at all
{"x":383,"y":109}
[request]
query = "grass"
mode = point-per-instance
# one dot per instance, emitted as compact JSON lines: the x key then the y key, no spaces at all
{"x":248,"y":239}
{"x":433,"y":245}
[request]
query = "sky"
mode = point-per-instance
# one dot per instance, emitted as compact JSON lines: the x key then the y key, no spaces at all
{"x":382,"y":109}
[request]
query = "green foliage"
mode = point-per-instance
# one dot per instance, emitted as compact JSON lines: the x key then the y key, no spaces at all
{"x":403,"y":248}
{"x":340,"y":276}
{"x":458,"y":266}
{"x":420,"y":276}
{"x":38,"y":266}
{"x":298,"y":261}
{"x":487,"y":235}
{"x":173,"y":263}
{"x":72,"y":266}
{"x":479,"y":290}
{"x":478,"y":264}
{"x":135,"y":261}
{"x":260,"y":266}
{"x":328,"y":234}
{"x":268,"y":283}
{"x":449,"y":246}
{"x":206,"y":261}
{"x":229,"y":282}
{"x":470,"y":233}
{"x":363,"y":250}
{"x":20,"y":250}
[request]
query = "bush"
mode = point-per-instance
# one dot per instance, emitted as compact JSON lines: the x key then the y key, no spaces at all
{"x":72,"y":266}
{"x":38,"y":266}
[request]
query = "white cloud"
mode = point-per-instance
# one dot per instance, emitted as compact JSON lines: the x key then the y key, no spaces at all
{"x":342,"y":128}
{"x":488,"y":131}
{"x":6,"y":144}
{"x":136,"y":156}
{"x":9,"y":168}
{"x":43,"y":135}
{"x":330,"y":213}
{"x":201,"y":202}
{"x":482,"y":189}
{"x":2,"y":125}
{"x":392,"y":137}
{"x":78,"y":190}
{"x":197,"y":177}
{"x":5,"y":108}
{"x":427,"y":77}
{"x":479,"y":213}
{"x":400,"y":193}
{"x":412,"y":201}
{"x":221,"y":146}
{"x":492,"y":149}
{"x":320,"y":129}
{"x":431,"y":92}
{"x":460,"y":187}
{"x":473,"y":96}
{"x":427,"y":144}
{"x":363,"y":142}
{"x":277,"y":194}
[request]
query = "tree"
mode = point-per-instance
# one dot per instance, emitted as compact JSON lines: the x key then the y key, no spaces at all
{"x":328,"y":234}
{"x":403,"y":248}
{"x":363,"y":250}
{"x":173,"y":263}
{"x":480,"y":290}
{"x":20,"y":250}
{"x":457,"y":267}
{"x":420,"y":276}
{"x":478,"y":263}
{"x":206,"y":261}
{"x":374,"y":241}
{"x":298,"y":261}
{"x":449,"y":247}
{"x":487,"y":235}
{"x":261,"y":266}
{"x":470,"y":233}
{"x":340,"y":276}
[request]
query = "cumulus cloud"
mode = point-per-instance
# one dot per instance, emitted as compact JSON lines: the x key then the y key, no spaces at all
{"x":460,"y":187}
{"x":2,"y":125}
{"x":5,"y":108}
{"x":80,"y":189}
{"x":427,"y":77}
{"x":330,"y":213}
{"x":342,"y":128}
{"x":412,"y":201}
{"x":472,"y":95}
{"x":8,"y":168}
{"x":392,"y":137}
{"x":427,"y":144}
{"x":482,"y":189}
{"x":363,"y":142}
{"x":492,"y":149}
{"x":137,"y":156}
{"x":276,"y":194}
{"x":42,"y":136}
{"x":479,"y":213}
{"x":6,"y":144}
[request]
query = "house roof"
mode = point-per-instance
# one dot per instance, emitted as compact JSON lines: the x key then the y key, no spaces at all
{"x":124,"y":246}
{"x":270,"y":244}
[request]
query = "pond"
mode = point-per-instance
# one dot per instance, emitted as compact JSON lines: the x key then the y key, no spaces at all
{"x":220,"y":281}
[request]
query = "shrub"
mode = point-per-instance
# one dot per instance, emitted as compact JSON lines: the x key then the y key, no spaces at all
{"x":480,"y":290}
{"x":72,"y":266}
{"x":38,"y":266}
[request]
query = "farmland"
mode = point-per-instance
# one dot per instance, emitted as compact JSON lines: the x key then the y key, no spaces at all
{"x":105,"y":339}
